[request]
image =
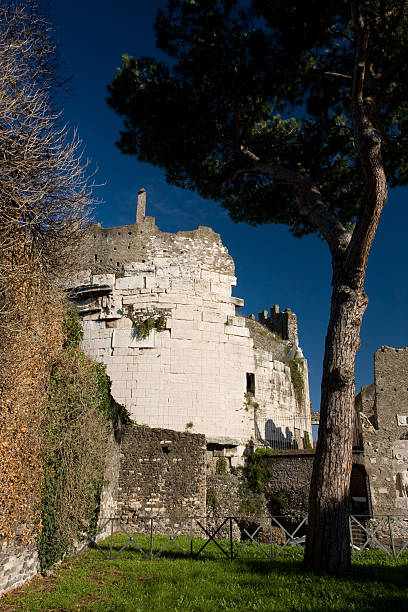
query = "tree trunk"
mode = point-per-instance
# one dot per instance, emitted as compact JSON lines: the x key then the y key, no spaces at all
{"x":327,"y":543}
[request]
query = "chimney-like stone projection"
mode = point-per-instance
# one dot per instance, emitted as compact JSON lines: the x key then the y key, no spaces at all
{"x":141,"y":206}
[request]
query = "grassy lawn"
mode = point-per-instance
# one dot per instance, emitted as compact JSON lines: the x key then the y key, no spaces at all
{"x":171,"y":582}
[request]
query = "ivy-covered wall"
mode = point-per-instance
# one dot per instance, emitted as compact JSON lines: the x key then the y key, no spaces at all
{"x":76,"y":426}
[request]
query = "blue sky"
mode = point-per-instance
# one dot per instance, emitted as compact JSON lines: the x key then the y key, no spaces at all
{"x":272,"y":267}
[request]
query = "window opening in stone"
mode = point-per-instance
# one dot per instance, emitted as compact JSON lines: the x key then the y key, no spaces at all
{"x":118,"y":263}
{"x":130,"y":233}
{"x":96,"y":258}
{"x":250,"y":383}
{"x":165,"y":449}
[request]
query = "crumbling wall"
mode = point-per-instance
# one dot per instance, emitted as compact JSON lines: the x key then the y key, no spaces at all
{"x":108,"y":250}
{"x":383,"y":412}
{"x":18,"y":563}
{"x":162,"y":474}
{"x":191,"y":370}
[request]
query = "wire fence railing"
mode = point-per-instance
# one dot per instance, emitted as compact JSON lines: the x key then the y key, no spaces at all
{"x":227,"y":537}
{"x":232,"y":538}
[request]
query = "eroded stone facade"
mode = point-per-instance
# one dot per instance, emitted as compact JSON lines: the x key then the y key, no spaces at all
{"x":383,"y":412}
{"x":203,"y":368}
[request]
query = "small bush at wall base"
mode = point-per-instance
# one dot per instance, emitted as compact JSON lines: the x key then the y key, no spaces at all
{"x":254,"y":491}
{"x":221,"y":466}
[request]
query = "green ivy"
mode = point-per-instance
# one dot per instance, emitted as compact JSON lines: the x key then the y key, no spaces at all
{"x":307,"y":445}
{"x":297,"y":379}
{"x":161,"y":323}
{"x":72,"y":328}
{"x":77,"y":420}
{"x":254,"y":486}
{"x":211,"y":499}
{"x":144,"y":328}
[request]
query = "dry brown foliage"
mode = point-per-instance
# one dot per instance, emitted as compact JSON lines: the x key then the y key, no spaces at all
{"x":26,"y":356}
{"x":44,"y":186}
{"x":44,"y":204}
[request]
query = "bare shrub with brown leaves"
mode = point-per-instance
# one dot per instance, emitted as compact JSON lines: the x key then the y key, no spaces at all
{"x":45,"y":195}
{"x":44,"y":204}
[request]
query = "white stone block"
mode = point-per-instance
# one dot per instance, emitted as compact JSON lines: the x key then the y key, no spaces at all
{"x":202,"y":286}
{"x":151,"y":282}
{"x":233,"y":330}
{"x":104,"y":279}
{"x":217,"y":288}
{"x":210,"y":275}
{"x":239,"y":302}
{"x":130,"y":282}
{"x":127,"y":338}
{"x":228,"y":280}
{"x":181,"y":312}
{"x":137,"y":267}
{"x":212,"y":316}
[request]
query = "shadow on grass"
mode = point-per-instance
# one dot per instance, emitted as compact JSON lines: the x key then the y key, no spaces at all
{"x":368,"y":567}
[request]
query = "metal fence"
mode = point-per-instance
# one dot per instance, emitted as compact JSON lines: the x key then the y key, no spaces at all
{"x":386,"y":533}
{"x":291,"y":432}
{"x":262,"y":538}
{"x":197,"y":537}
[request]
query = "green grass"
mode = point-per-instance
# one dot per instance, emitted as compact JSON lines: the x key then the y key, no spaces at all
{"x":171,"y":582}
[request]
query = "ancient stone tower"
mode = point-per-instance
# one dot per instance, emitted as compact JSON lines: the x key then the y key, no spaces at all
{"x":157,"y":309}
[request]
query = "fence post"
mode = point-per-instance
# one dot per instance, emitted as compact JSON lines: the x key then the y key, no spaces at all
{"x":391,"y":537}
{"x":151,"y":539}
{"x":270,"y":536}
{"x":191,"y":537}
{"x":112,"y":520}
{"x":351,"y":535}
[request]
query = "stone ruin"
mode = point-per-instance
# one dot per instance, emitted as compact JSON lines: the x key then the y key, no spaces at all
{"x":157,"y":309}
{"x":382,"y":423}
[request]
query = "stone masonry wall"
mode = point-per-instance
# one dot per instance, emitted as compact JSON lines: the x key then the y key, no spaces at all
{"x":18,"y":563}
{"x":108,"y":250}
{"x":291,"y":473}
{"x":383,"y":409}
{"x":192,"y":374}
{"x":162,"y":474}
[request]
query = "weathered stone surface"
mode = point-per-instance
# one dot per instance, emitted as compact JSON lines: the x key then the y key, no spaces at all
{"x":18,"y":563}
{"x":194,"y":372}
{"x":382,"y":432}
{"x":161,"y":474}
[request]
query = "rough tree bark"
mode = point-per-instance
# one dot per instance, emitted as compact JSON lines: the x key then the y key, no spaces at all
{"x":327,"y":547}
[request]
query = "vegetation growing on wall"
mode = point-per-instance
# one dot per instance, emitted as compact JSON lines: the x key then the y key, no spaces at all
{"x":143,"y":327}
{"x":297,"y":379}
{"x":221,"y":466}
{"x":254,"y":486}
{"x":26,"y":351}
{"x":76,"y":428}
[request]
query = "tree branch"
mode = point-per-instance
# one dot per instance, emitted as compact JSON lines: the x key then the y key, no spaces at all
{"x":369,"y":150}
{"x":338,"y":74}
{"x":311,"y":200}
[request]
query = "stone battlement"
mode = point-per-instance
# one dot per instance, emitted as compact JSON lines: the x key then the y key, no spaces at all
{"x":282,"y":323}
